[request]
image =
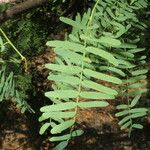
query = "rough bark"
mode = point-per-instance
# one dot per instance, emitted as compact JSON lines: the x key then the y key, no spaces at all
{"x":19,"y":8}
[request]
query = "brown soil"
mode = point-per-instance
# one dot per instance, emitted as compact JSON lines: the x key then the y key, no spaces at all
{"x":20,"y":132}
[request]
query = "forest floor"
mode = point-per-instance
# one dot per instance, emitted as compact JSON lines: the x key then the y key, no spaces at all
{"x":20,"y":131}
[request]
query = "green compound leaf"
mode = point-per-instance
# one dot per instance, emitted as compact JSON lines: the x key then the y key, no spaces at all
{"x":136,"y":50}
{"x":62,"y":145}
{"x":58,"y":107}
{"x":138,"y":85}
{"x":139,"y":72}
{"x":122,"y":113}
{"x":112,"y":69}
{"x":135,"y":100}
{"x":127,"y":45}
{"x":62,"y":126}
{"x":124,"y":120}
{"x":137,"y":92}
{"x":102,"y":76}
{"x":77,"y":133}
{"x":93,"y":104}
{"x":66,"y":45}
{"x":137,"y":126}
{"x":122,"y":106}
{"x":44,"y":128}
{"x":98,"y":87}
{"x":109,"y":57}
{"x":126,"y":54}
{"x":67,"y":136}
{"x":138,"y":110}
{"x":74,"y":57}
{"x":62,"y":94}
{"x":72,"y":23}
{"x":60,"y":138}
{"x":135,"y":79}
{"x":95,"y":49}
{"x":65,"y":79}
{"x":110,"y":41}
{"x":96,"y":95}
{"x":137,"y":115}
{"x":126,"y":125}
{"x":64,"y":68}
{"x":59,"y":114}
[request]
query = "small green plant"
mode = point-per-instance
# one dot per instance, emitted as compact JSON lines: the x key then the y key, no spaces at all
{"x":75,"y":77}
{"x":8,"y":42}
{"x":8,"y":89}
{"x":102,"y":46}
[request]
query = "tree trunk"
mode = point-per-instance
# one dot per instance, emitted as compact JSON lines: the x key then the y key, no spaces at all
{"x":19,"y":8}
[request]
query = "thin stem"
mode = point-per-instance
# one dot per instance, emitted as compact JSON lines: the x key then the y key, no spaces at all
{"x":84,"y":54}
{"x":128,"y":101}
{"x":85,"y":45}
{"x":15,"y":49}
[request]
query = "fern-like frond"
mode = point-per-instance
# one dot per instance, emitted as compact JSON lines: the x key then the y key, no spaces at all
{"x":75,"y":78}
{"x":98,"y":48}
